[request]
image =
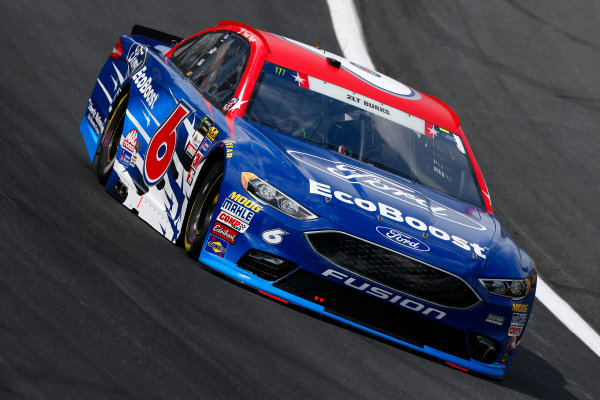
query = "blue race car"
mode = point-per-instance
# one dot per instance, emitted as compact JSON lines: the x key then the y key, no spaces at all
{"x":315,"y":181}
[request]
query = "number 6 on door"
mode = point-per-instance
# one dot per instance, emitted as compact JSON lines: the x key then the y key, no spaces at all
{"x":162,"y":146}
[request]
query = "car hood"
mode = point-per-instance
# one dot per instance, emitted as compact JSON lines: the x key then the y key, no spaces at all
{"x":370,"y":203}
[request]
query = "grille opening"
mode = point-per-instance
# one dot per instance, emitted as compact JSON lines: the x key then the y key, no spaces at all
{"x":393,"y":269}
{"x":265,"y":265}
{"x":377,"y":314}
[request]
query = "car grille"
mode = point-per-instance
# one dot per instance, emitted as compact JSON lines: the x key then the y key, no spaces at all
{"x":393,"y":269}
{"x":376,"y":314}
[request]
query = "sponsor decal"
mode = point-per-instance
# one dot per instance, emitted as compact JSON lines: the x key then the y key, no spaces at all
{"x":245,"y":33}
{"x":194,"y":167}
{"x":190,"y":149}
{"x":367,"y":179}
{"x":228,"y":148}
{"x":513,"y":342}
{"x":136,"y":57}
{"x":230,"y":104}
{"x":434,"y":131}
{"x":383,"y":294}
{"x":237,"y":210}
{"x":232,"y":222}
{"x":244,"y":201}
{"x":505,"y":359}
{"x":131,"y":146}
{"x":131,"y":140}
{"x":216,"y":246}
{"x":402,"y":238}
{"x":395,"y":215}
{"x":274,"y":236}
{"x":224,"y":232}
{"x":520,"y":307}
{"x":205,"y":124}
{"x":144,"y":85}
{"x":515,"y":330}
{"x":212,"y":133}
{"x":495,"y":319}
{"x":94,"y":118}
{"x":204,"y":146}
{"x":190,"y":176}
{"x":518,"y":319}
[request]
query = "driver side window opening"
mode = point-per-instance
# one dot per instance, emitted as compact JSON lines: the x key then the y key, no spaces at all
{"x":214,"y":63}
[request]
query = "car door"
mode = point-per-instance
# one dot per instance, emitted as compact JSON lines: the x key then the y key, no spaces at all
{"x":176,"y":115}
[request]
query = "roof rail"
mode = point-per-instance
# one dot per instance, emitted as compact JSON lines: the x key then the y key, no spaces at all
{"x":248,"y":28}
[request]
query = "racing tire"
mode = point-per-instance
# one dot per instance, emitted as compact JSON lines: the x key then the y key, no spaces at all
{"x":109,"y":142}
{"x":202,"y":211}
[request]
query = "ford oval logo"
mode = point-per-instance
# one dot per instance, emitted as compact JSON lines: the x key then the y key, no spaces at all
{"x":402,"y":238}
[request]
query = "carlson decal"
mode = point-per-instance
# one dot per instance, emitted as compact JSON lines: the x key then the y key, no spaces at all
{"x":136,"y":57}
{"x":402,"y":238}
{"x":383,"y":294}
{"x":367,"y":179}
{"x":395,"y":215}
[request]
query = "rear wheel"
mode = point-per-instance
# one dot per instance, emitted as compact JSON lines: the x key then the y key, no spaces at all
{"x":198,"y":222}
{"x":109,"y":142}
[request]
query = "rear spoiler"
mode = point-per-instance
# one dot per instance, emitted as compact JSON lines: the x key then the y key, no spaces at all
{"x":154,"y":34}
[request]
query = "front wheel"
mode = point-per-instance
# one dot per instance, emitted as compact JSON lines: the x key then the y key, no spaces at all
{"x":109,"y":142}
{"x":202,"y":211}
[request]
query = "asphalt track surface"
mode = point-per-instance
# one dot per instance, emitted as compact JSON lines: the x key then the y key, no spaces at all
{"x":96,"y":305}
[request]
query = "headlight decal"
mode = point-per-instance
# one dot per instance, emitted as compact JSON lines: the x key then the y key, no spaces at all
{"x":267,"y":194}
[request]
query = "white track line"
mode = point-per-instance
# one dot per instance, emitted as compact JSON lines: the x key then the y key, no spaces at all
{"x":348,"y":31}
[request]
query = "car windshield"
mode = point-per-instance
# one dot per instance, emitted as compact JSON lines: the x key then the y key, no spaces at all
{"x":363,"y":129}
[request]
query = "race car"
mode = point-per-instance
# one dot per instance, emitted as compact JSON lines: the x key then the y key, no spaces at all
{"x":315,"y":181}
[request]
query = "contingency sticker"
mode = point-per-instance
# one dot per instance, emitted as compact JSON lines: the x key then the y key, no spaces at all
{"x":216,"y":246}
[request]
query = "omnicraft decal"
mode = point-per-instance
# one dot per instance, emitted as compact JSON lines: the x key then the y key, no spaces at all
{"x":358,"y":176}
{"x":394,"y":214}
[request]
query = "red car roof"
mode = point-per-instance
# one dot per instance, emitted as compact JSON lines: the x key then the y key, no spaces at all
{"x":287,"y":54}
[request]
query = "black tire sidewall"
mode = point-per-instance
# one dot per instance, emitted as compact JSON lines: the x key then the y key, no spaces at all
{"x":202,"y":211}
{"x":112,"y":132}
